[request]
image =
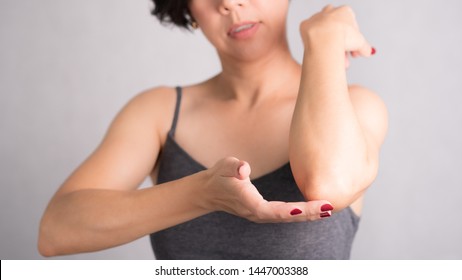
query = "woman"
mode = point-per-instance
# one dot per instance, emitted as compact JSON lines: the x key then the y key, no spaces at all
{"x":262,"y":111}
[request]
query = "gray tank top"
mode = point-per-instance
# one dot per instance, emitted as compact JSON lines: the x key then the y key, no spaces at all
{"x":220,"y":235}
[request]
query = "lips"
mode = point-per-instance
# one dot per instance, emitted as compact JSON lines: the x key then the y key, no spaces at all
{"x":243,"y":30}
{"x":242,"y":27}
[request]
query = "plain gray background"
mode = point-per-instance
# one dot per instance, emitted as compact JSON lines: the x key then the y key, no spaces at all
{"x":67,"y":67}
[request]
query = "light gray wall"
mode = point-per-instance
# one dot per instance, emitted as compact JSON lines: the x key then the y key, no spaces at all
{"x":67,"y":67}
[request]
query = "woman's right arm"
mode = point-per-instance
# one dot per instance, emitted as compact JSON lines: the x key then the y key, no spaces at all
{"x":100,"y":206}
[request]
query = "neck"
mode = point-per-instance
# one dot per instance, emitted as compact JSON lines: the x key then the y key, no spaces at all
{"x":250,"y":81}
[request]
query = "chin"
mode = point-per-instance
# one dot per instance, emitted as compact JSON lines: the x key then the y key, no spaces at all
{"x":252,"y":52}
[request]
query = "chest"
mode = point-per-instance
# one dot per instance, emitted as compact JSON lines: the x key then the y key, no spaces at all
{"x":259,"y":136}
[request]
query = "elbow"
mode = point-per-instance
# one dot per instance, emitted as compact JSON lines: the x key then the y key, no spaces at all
{"x":334,"y":192}
{"x":50,"y":241}
{"x":340,"y":191}
{"x":45,"y":246}
{"x":340,"y":185}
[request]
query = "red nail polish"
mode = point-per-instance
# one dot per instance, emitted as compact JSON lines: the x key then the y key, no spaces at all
{"x":327,"y":207}
{"x":325,"y":215}
{"x":295,"y":212}
{"x":373,"y":51}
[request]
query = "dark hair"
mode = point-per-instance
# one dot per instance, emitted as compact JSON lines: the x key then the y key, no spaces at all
{"x":172,"y":11}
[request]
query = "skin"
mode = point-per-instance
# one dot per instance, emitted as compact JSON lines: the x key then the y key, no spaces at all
{"x":261,"y":111}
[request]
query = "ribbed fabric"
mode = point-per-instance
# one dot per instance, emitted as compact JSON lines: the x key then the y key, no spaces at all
{"x":220,"y":235}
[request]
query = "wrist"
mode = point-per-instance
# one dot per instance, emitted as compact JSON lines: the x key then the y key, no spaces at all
{"x":324,"y":39}
{"x":203,"y":191}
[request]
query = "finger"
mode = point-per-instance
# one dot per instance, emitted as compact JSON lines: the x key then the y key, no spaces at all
{"x":316,"y":209}
{"x":365,"y":50}
{"x":244,"y":170}
{"x":373,"y":51}
{"x":278,"y":211}
{"x":354,"y":54}
{"x":233,"y":167}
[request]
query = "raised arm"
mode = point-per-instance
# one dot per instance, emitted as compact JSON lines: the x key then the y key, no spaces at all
{"x":336,"y":130}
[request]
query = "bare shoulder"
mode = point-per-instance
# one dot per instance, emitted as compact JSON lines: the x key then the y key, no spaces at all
{"x":153,"y":107}
{"x":156,"y":94}
{"x":371,"y":111}
{"x":130,"y":148}
{"x":154,"y":100}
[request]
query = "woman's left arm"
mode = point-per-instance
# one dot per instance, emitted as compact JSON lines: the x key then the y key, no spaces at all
{"x":336,"y":130}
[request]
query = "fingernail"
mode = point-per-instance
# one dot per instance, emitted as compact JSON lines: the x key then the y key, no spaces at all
{"x":295,"y":212}
{"x":325,"y":215}
{"x":373,"y":51}
{"x":327,"y":207}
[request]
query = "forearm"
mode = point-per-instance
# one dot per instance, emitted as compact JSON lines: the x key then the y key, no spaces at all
{"x":91,"y":220}
{"x":328,"y":149}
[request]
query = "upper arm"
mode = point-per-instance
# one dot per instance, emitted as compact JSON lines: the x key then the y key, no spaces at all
{"x":130,"y":148}
{"x":372,"y":116}
{"x":373,"y":119}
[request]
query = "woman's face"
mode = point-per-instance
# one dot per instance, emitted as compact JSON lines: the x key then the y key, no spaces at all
{"x":243,"y":29}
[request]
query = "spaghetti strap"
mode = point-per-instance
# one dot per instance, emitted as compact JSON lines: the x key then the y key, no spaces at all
{"x":177,"y":111}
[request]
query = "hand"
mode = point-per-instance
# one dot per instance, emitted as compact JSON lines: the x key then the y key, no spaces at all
{"x":339,"y":26}
{"x":230,"y":190}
